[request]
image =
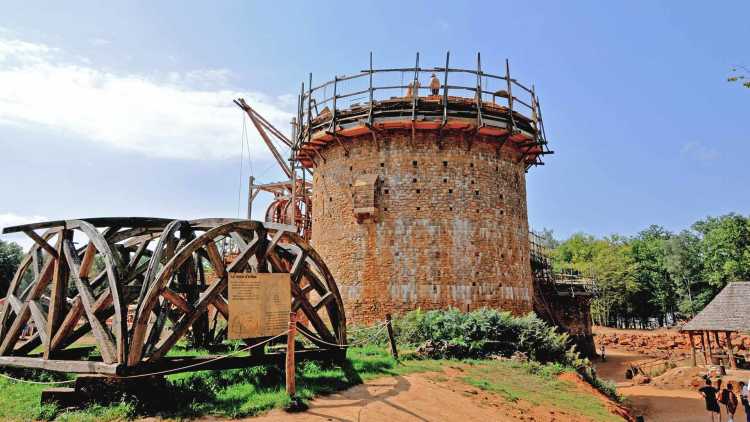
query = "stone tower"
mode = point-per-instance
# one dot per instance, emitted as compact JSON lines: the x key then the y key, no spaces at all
{"x":419,"y":194}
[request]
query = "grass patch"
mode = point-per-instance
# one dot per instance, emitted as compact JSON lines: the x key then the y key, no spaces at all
{"x":232,"y":393}
{"x":537,"y":384}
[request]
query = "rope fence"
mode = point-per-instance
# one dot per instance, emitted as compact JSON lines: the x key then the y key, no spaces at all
{"x":379,"y":328}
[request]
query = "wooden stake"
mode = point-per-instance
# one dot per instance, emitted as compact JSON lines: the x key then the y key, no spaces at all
{"x":291,"y":387}
{"x":391,"y":338}
{"x":703,"y":348}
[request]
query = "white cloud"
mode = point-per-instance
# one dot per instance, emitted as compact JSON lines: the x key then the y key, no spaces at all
{"x":10,"y":219}
{"x":100,"y":42}
{"x":178,"y":117}
{"x":699,"y":151}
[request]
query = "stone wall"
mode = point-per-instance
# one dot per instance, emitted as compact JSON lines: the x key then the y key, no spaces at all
{"x":449,"y":225}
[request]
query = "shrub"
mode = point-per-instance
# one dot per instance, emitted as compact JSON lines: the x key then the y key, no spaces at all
{"x":453,"y":334}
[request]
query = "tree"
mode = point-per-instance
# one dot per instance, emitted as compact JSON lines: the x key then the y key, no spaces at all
{"x":725,"y":249}
{"x":684,"y":264}
{"x":10,"y":258}
{"x":649,"y":254}
{"x":740,"y":74}
{"x":547,"y":237}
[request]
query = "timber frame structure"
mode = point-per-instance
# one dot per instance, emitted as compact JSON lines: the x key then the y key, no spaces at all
{"x":140,"y":285}
{"x":726,"y":314}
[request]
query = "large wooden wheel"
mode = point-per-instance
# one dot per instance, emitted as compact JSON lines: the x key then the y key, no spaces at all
{"x":140,"y":285}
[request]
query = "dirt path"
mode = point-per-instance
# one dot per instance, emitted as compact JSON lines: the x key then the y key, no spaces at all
{"x":655,"y":403}
{"x":422,"y":397}
{"x":416,"y":397}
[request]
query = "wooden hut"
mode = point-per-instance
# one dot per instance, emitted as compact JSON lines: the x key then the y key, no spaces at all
{"x":728,"y":313}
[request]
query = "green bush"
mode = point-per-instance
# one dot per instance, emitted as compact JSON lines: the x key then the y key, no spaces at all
{"x":454,"y":334}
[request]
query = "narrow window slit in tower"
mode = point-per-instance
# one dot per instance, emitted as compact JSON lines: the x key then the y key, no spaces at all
{"x":418,"y":208}
{"x":414,"y":180}
{"x":414,"y":163}
{"x":445,"y":164}
{"x":417,"y":190}
{"x":382,"y":164}
{"x":445,"y":180}
{"x":450,"y":190}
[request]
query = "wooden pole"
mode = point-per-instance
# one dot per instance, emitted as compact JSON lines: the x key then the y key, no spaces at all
{"x":391,"y":338}
{"x":718,"y":346}
{"x":692,"y":347}
{"x":250,"y":197}
{"x":730,"y":352}
{"x":703,"y":347}
{"x":291,"y":387}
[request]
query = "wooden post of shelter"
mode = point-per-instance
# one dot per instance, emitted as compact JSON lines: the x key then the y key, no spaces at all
{"x":389,"y":326}
{"x":692,"y":347}
{"x":291,"y":387}
{"x":710,"y":351}
{"x":730,"y":352}
{"x":718,"y":346}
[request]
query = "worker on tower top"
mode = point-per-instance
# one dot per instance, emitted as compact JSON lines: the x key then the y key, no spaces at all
{"x":435,"y":84}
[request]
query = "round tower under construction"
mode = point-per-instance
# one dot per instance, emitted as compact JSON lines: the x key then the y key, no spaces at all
{"x":418,"y":186}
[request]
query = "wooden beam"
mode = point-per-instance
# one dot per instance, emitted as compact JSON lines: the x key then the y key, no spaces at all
{"x":41,"y":242}
{"x":730,"y":351}
{"x":216,"y":260}
{"x":88,"y":260}
{"x":692,"y":347}
{"x":73,"y":366}
{"x":177,"y":300}
{"x":59,"y":290}
{"x":40,"y":320}
{"x":222,"y":306}
{"x":102,"y":335}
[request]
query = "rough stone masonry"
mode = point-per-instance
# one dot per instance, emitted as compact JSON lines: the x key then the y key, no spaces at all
{"x":428,"y":221}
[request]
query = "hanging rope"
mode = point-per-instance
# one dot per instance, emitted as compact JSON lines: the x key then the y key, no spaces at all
{"x":37,"y":382}
{"x":378,"y":330}
{"x":242,"y":159}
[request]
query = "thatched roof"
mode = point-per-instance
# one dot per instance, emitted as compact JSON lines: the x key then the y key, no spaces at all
{"x":729,"y":311}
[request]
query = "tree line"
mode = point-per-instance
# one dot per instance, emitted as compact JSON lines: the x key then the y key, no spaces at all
{"x":657,"y":277}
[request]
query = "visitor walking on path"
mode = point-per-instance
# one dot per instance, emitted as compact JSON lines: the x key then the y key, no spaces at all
{"x":744,"y":393}
{"x":709,"y":394}
{"x":730,"y":401}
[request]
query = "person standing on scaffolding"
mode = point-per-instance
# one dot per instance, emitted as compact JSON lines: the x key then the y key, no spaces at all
{"x":435,"y":85}
{"x":412,"y":89}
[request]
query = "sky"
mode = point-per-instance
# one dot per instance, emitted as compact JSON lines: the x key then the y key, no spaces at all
{"x":125,"y":108}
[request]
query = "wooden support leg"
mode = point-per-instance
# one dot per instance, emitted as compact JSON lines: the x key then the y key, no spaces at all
{"x":703,"y":346}
{"x":730,"y":351}
{"x":718,"y":346}
{"x":291,"y":387}
{"x":692,"y":348}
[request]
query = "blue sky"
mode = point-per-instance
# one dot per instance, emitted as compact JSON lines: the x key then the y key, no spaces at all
{"x":125,"y":109}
